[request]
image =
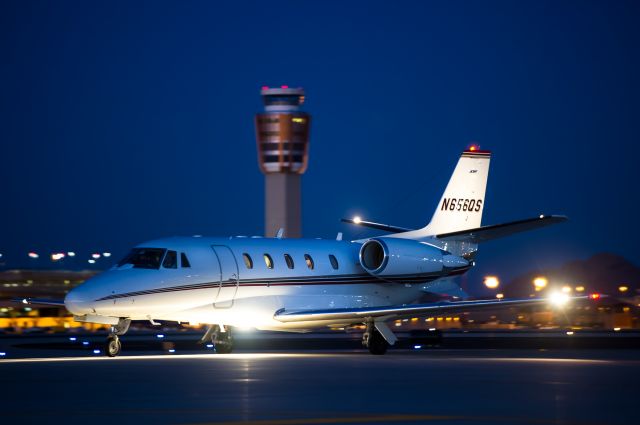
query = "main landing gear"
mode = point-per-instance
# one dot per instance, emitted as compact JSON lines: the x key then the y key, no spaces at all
{"x":113,"y":345}
{"x":377,"y":337}
{"x":221,"y":338}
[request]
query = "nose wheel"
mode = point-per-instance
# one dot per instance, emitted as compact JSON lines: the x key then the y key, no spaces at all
{"x":113,"y":346}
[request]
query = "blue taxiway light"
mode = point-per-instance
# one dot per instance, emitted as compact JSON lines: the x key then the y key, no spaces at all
{"x":209,"y":345}
{"x":172,"y":351}
{"x":72,"y":338}
{"x":85,"y":342}
{"x":417,"y":347}
{"x":96,"y":351}
{"x":2,"y":354}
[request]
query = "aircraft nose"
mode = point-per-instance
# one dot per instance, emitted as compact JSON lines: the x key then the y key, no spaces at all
{"x":77,"y":301}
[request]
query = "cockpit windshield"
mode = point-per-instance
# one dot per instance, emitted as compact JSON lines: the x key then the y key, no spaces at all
{"x":144,"y":258}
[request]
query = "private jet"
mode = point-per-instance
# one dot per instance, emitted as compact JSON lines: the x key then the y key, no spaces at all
{"x":298,"y":285}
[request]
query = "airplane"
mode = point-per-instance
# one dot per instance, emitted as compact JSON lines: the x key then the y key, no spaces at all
{"x":298,"y":285}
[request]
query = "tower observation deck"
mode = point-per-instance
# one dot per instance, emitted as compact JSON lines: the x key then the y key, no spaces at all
{"x":282,"y":135}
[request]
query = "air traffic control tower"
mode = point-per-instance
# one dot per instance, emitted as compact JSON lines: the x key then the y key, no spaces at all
{"x":282,"y":133}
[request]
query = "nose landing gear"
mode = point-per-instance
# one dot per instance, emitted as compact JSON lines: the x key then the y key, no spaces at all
{"x":221,"y":338}
{"x":113,"y":345}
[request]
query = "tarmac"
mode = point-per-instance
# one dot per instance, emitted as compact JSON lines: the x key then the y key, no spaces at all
{"x":42,"y":382}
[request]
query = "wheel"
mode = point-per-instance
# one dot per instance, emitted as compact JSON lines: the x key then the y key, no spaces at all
{"x":113,"y":346}
{"x":224,"y":348}
{"x":223,"y":342}
{"x":377,"y":344}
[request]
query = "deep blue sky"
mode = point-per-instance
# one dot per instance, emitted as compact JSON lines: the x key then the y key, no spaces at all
{"x":125,"y":121}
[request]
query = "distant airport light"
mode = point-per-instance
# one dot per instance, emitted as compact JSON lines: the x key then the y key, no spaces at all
{"x":357,"y":219}
{"x":579,"y":288}
{"x":96,"y":351}
{"x":559,"y":299}
{"x":91,"y":261}
{"x":96,"y":255}
{"x":284,"y":87}
{"x":569,"y":332}
{"x":623,"y":288}
{"x":566,"y":289}
{"x":491,"y":282}
{"x":265,"y":87}
{"x":616,"y":329}
{"x":0,"y":255}
{"x":2,"y":353}
{"x":106,"y":254}
{"x":33,"y":255}
{"x":417,"y":347}
{"x":209,"y":345}
{"x":540,"y":283}
{"x":57,"y":256}
{"x":160,"y":336}
{"x":71,"y":254}
{"x":72,"y":338}
{"x":499,"y":296}
{"x":85,"y":342}
{"x":172,"y":350}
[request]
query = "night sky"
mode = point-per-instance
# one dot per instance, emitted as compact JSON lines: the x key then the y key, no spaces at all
{"x":127,"y":121}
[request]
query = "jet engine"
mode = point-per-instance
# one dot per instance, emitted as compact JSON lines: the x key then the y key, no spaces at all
{"x":397,"y":257}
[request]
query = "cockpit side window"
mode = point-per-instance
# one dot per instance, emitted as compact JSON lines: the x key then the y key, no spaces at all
{"x":184,"y":261}
{"x":144,"y":258}
{"x":170,"y":260}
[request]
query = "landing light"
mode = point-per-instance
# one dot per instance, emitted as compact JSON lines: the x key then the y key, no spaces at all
{"x":357,"y":220}
{"x":559,"y":299}
{"x":491,"y":282}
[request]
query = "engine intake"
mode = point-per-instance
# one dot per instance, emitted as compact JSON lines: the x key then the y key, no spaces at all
{"x":397,"y":257}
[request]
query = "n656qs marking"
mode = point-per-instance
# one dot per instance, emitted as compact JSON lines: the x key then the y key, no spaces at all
{"x":455,"y":204}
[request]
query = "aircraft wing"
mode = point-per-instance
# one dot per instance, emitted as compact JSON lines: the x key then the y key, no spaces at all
{"x":409,"y":310}
{"x":487,"y":233}
{"x":39,"y":301}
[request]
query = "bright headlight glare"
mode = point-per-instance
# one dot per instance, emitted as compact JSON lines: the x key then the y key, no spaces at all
{"x":559,"y":299}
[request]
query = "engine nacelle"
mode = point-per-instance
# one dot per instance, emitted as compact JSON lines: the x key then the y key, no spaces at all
{"x":393,"y":257}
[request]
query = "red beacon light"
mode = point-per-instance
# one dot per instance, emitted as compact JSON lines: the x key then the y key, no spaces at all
{"x":474,"y":148}
{"x":284,"y":87}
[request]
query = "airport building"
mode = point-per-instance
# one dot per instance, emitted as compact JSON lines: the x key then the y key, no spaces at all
{"x":282,"y":135}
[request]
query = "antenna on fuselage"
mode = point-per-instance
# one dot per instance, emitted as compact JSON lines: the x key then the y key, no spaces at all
{"x":280,"y":233}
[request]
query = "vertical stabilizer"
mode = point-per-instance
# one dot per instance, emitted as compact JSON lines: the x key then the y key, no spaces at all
{"x":461,"y":205}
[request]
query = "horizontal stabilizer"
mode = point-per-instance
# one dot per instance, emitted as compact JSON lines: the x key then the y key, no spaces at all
{"x":406,"y":311}
{"x":487,"y":233}
{"x":378,"y":226}
{"x":39,"y":301}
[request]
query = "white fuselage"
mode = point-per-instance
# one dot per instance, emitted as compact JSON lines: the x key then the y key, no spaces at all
{"x":228,"y":281}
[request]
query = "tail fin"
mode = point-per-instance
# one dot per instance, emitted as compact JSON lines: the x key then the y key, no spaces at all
{"x":461,"y":205}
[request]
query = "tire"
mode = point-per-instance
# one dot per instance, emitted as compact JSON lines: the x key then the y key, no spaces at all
{"x":377,"y":344}
{"x":113,"y":346}
{"x":224,"y":348}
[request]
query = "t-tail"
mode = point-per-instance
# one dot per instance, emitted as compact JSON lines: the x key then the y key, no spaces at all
{"x":456,"y":224}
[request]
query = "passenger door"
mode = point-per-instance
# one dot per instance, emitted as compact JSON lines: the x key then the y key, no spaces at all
{"x":229,"y":279}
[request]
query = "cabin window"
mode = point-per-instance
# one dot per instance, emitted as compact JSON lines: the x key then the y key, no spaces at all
{"x":309,"y":261}
{"x":247,"y":260}
{"x":170,"y":260}
{"x":268,"y":261}
{"x":288,"y":260}
{"x":144,"y":258}
{"x":334,"y":261}
{"x":184,"y":261}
